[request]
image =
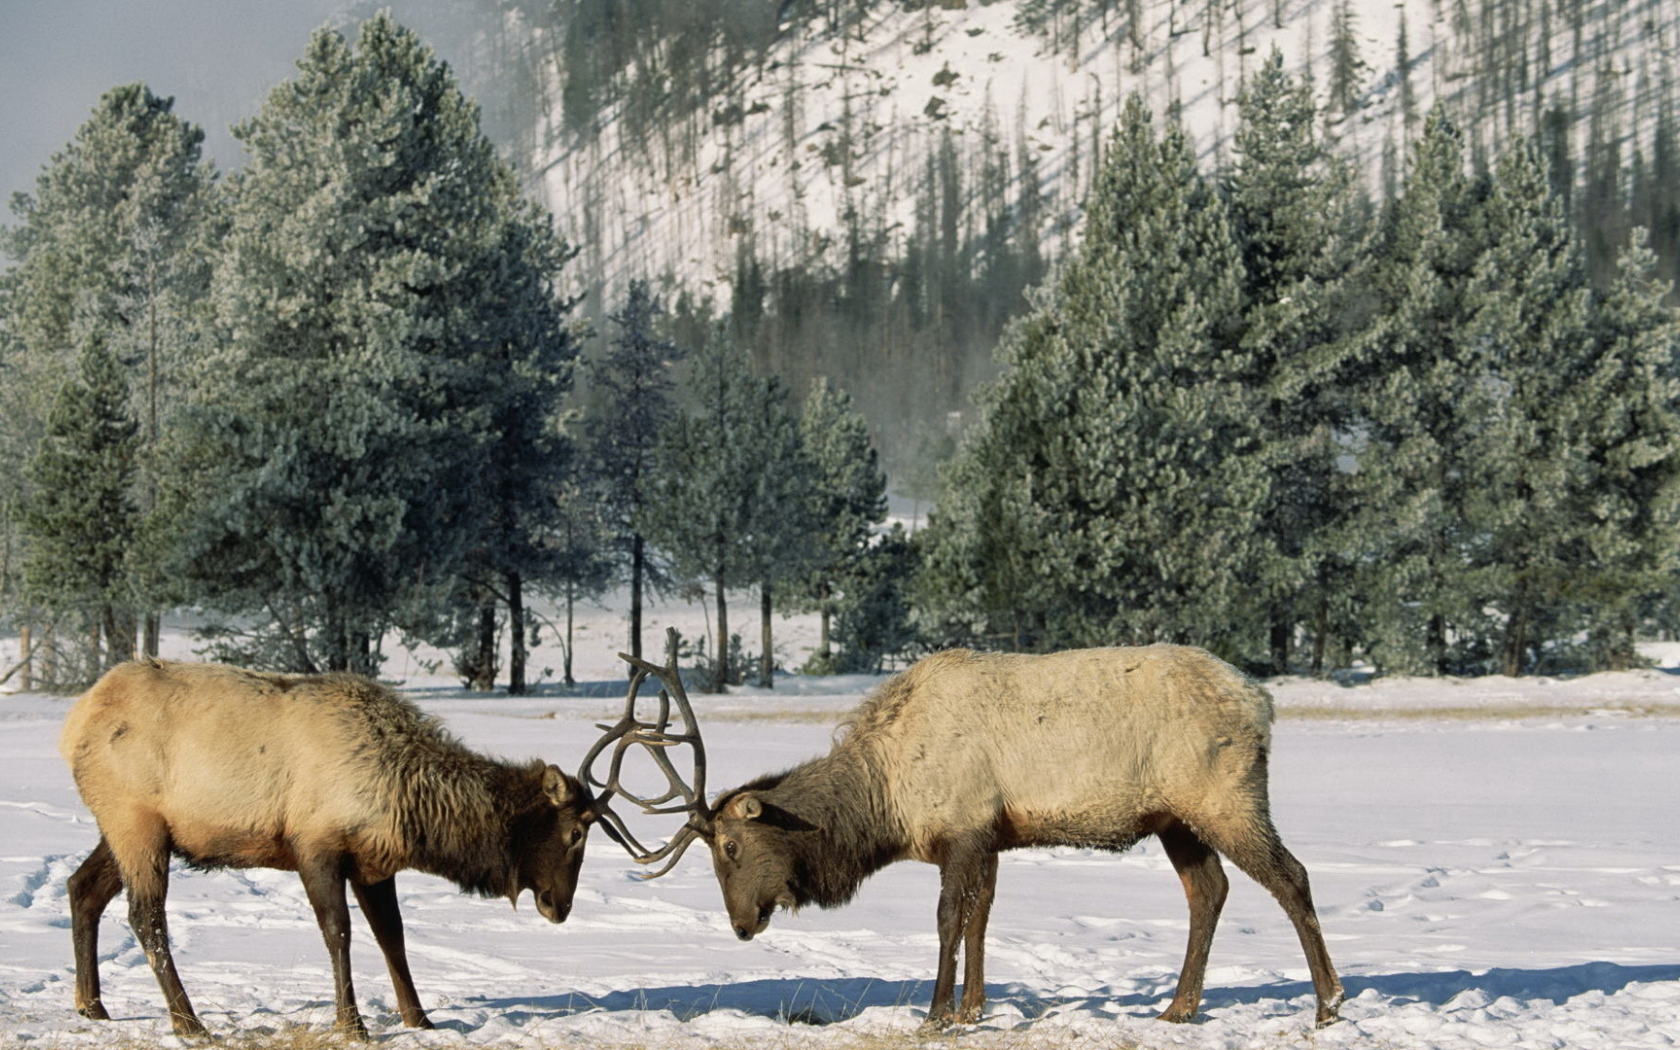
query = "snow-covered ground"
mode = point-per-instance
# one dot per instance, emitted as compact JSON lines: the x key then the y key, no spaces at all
{"x":1510,"y":879}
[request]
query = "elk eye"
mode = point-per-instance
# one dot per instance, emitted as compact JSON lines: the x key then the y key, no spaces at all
{"x":576,"y":836}
{"x":730,"y":849}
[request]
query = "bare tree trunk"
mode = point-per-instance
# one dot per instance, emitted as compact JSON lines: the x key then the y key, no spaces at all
{"x":1321,"y":628}
{"x":767,"y":658}
{"x":1281,"y":630}
{"x":516,"y":635}
{"x":151,"y":630}
{"x":102,"y":625}
{"x":481,"y":677}
{"x":26,"y":658}
{"x":637,"y":568}
{"x":571,"y":601}
{"x":720,"y":680}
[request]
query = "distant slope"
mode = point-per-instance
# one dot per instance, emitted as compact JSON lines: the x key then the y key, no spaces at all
{"x":844,"y":117}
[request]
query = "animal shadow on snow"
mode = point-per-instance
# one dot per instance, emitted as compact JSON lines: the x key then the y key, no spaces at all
{"x":828,"y":1001}
{"x":1558,"y":984}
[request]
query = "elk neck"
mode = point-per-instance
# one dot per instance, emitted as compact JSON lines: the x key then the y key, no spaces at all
{"x":856,"y":831}
{"x":461,"y":815}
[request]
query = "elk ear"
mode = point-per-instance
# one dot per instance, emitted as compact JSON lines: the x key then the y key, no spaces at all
{"x":746,"y":807}
{"x":555,"y":787}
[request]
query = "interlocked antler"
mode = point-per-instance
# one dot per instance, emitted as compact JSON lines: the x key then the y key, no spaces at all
{"x":656,"y":738}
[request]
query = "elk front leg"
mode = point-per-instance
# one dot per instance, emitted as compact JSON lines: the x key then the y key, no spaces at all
{"x":379,"y":907}
{"x":961,"y":876}
{"x":974,"y":945}
{"x":90,"y":889}
{"x":323,"y":882}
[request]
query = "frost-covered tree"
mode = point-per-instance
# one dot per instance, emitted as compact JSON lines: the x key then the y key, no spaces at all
{"x":1527,"y":459}
{"x":1298,"y":219}
{"x":726,"y":497}
{"x":1118,"y":465}
{"x":330,"y":468}
{"x":114,"y":241}
{"x":848,"y":489}
{"x":1422,"y":395}
{"x":1631,"y":500}
{"x":519,"y":375}
{"x":630,"y":402}
{"x":82,"y":518}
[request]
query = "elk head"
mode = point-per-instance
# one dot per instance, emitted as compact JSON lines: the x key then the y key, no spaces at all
{"x":551,"y":836}
{"x":758,"y":852}
{"x":656,"y":738}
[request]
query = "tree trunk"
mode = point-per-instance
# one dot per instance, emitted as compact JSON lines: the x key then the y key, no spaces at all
{"x":637,"y":557}
{"x":720,"y":677}
{"x":1321,"y":628}
{"x":516,"y":635}
{"x":338,"y":643}
{"x":767,"y":658}
{"x":822,"y":644}
{"x":102,"y":625}
{"x":1282,"y":628}
{"x":566,"y":653}
{"x":481,"y":677}
{"x":1435,"y":640}
{"x":149,"y":641}
{"x":26,"y":658}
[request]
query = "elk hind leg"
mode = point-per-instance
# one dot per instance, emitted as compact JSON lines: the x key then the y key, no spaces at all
{"x":974,"y":945}
{"x":379,"y":906}
{"x":1260,"y":853}
{"x":323,"y":881}
{"x":93,"y":886}
{"x":1205,"y":887}
{"x":141,"y":849}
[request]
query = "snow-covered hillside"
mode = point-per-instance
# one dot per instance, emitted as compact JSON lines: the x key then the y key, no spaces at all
{"x":832,"y":122}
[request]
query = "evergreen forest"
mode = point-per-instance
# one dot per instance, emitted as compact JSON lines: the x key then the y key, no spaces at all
{"x":365,"y":390}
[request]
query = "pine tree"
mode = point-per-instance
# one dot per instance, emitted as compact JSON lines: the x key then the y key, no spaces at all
{"x":328,"y":475}
{"x":115,"y":241}
{"x":1631,"y":499}
{"x":848,"y":488}
{"x":1422,"y":394}
{"x":1523,"y":458}
{"x":1118,"y":460}
{"x":81,"y":519}
{"x":698,"y":496}
{"x":523,"y":370}
{"x":630,"y":403}
{"x":1297,"y":218}
{"x":1346,"y":64}
{"x":782,"y":530}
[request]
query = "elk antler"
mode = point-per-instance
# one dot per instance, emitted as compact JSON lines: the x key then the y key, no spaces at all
{"x":656,"y":737}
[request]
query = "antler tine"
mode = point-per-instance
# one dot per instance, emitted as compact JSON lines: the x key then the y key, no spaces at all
{"x":656,"y":738}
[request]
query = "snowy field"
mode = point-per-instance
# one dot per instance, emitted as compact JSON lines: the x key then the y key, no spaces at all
{"x":1496,"y":864}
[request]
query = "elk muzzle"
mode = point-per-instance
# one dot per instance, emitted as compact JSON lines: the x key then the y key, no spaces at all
{"x":553,"y":906}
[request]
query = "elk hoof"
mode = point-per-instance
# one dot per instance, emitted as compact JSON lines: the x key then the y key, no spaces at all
{"x":1177,"y":1014}
{"x":935,"y":1024}
{"x":1326,"y":1018}
{"x":418,"y":1020}
{"x":352,"y":1027}
{"x":94,"y":1011}
{"x":187,"y":1026}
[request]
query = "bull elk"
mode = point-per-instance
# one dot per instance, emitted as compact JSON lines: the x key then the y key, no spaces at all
{"x":332,"y":776}
{"x":967,"y":754}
